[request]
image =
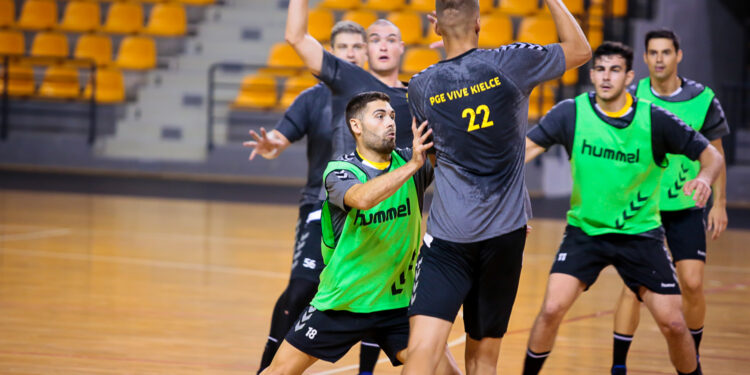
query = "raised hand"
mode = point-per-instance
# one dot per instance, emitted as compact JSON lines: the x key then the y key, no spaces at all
{"x":702,"y":190}
{"x":266,"y":145}
{"x":432,"y":17}
{"x":419,"y":147}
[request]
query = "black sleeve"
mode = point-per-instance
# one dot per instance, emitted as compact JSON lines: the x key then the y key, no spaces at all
{"x":340,"y":75}
{"x":296,"y":121}
{"x":556,"y":127}
{"x":671,"y":135}
{"x":715,"y":125}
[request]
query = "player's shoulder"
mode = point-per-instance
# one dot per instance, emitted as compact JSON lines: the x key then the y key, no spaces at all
{"x":316,"y":91}
{"x":660,"y":114}
{"x":424,"y":74}
{"x":518,"y":46}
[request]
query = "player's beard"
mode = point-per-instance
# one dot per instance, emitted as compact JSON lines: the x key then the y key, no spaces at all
{"x":381,"y":145}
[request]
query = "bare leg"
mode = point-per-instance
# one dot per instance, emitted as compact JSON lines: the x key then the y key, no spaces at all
{"x":482,"y":356}
{"x":446,"y":366}
{"x":690,"y":274}
{"x":562,"y":291}
{"x":289,"y":361}
{"x":667,"y":312}
{"x":627,"y":313}
{"x":427,"y":338}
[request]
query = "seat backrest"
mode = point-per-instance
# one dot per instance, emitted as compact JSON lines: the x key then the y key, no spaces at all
{"x":110,"y":86}
{"x":81,"y":15}
{"x":384,"y":5}
{"x":283,"y":55}
{"x":319,"y":25}
{"x":518,"y":7}
{"x":49,"y":43}
{"x":257,"y":91}
{"x":495,"y":30}
{"x":60,"y":81}
{"x":124,"y":17}
{"x":340,"y":4}
{"x":364,"y":18}
{"x":168,"y":19}
{"x":94,"y":46}
{"x":7,"y":12}
{"x":537,"y":29}
{"x":294,"y":86}
{"x":418,"y":58}
{"x":137,"y":53}
{"x":20,"y":80}
{"x":410,"y":24}
{"x":12,"y":42}
{"x":38,"y":14}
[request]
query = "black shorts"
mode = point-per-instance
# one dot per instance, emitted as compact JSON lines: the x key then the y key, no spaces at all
{"x":686,"y":234}
{"x":307,"y":262}
{"x":483,"y":276}
{"x":640,"y":261}
{"x":329,"y":334}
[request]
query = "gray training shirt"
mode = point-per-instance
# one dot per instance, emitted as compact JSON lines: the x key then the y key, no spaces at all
{"x":477,"y":105}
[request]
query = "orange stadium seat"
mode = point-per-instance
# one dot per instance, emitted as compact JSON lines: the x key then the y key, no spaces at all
{"x":283,"y":61}
{"x":619,"y":8}
{"x":20,"y":80}
{"x":51,"y":44}
{"x":363,"y":17}
{"x":539,"y":30}
{"x":410,"y":24}
{"x":431,"y":36}
{"x":38,"y":15}
{"x":384,"y":5}
{"x":197,"y":2}
{"x":320,"y":23}
{"x":7,"y":13}
{"x":167,"y":19}
{"x":257,"y":91}
{"x":96,"y":47}
{"x":496,"y":30}
{"x":12,"y":42}
{"x":110,"y":86}
{"x":81,"y":16}
{"x":294,"y":86}
{"x":137,"y":53}
{"x":541,"y":100}
{"x":418,"y":58}
{"x":570,"y":77}
{"x":575,"y":7}
{"x":340,"y":4}
{"x":425,"y":6}
{"x":60,"y":82}
{"x":124,"y":18}
{"x":518,"y":7}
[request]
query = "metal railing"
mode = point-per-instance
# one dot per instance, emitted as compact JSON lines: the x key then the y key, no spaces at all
{"x":32,"y":61}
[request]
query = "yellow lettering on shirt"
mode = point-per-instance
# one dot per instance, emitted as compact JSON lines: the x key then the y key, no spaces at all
{"x":465,"y":91}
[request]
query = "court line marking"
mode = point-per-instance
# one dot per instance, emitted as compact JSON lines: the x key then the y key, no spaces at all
{"x":145,"y":262}
{"x":36,"y":235}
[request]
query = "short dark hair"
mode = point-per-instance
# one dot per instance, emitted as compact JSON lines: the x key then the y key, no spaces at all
{"x":663,"y":34}
{"x":609,"y":48}
{"x":358,"y":103}
{"x":347,"y":27}
{"x":455,"y":16}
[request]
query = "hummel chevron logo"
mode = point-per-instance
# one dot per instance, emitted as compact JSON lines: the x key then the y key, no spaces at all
{"x":633,"y":210}
{"x":304,"y":318}
{"x":684,"y":168}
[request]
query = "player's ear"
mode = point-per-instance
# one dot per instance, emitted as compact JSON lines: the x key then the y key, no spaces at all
{"x":437,"y":28}
{"x":477,"y":25}
{"x":679,"y":56}
{"x":645,"y":57}
{"x":629,"y":77}
{"x":355,"y":125}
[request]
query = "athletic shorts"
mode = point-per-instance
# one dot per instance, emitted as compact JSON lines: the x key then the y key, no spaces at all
{"x":640,"y":261}
{"x":329,"y":334}
{"x":483,"y":276}
{"x":686,"y":234}
{"x":307,"y":262}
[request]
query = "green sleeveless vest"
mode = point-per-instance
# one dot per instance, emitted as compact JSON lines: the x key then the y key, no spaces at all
{"x":370,"y":267}
{"x":680,"y":169}
{"x":615,"y":178}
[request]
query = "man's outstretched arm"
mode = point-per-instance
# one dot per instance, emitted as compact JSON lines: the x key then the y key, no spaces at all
{"x":572,"y":39}
{"x":309,"y":49}
{"x":532,"y":150}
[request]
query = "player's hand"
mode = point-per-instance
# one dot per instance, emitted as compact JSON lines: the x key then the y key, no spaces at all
{"x":702,"y":190}
{"x":419,"y":147}
{"x":263,"y":144}
{"x":432,"y":17}
{"x":717,"y":220}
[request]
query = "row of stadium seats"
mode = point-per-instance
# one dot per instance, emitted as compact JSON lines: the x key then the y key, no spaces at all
{"x":63,"y":82}
{"x":509,"y":7}
{"x":135,"y":52}
{"x":167,"y":19}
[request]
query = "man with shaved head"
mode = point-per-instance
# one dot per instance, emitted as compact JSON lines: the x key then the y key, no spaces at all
{"x":476,"y":102}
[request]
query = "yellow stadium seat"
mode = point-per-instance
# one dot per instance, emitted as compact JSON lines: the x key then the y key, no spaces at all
{"x":294,"y":86}
{"x":364,"y":18}
{"x":418,"y":58}
{"x":12,"y":42}
{"x":38,"y":15}
{"x":124,"y":18}
{"x":283,"y":61}
{"x":81,"y":16}
{"x":96,"y":47}
{"x":20,"y":80}
{"x":595,"y":37}
{"x":541,"y":100}
{"x":495,"y":30}
{"x":137,"y":53}
{"x":7,"y":13}
{"x":539,"y":30}
{"x":410,"y":24}
{"x":320,"y":23}
{"x":197,"y":2}
{"x":384,"y":5}
{"x":570,"y":77}
{"x":110,"y":86}
{"x":340,"y":4}
{"x":425,"y":6}
{"x":167,"y":19}
{"x":486,"y":6}
{"x":257,"y":91}
{"x":518,"y":7}
{"x":431,"y":37}
{"x":576,"y":7}
{"x":619,"y":8}
{"x":60,"y":82}
{"x":51,"y":44}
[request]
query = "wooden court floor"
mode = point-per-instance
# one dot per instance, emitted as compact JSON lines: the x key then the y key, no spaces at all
{"x":122,"y":285}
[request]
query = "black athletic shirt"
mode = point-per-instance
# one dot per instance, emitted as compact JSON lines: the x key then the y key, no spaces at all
{"x":347,"y":80}
{"x":310,"y":115}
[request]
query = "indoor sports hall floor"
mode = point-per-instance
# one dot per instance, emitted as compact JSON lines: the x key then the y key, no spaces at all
{"x":104,"y":282}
